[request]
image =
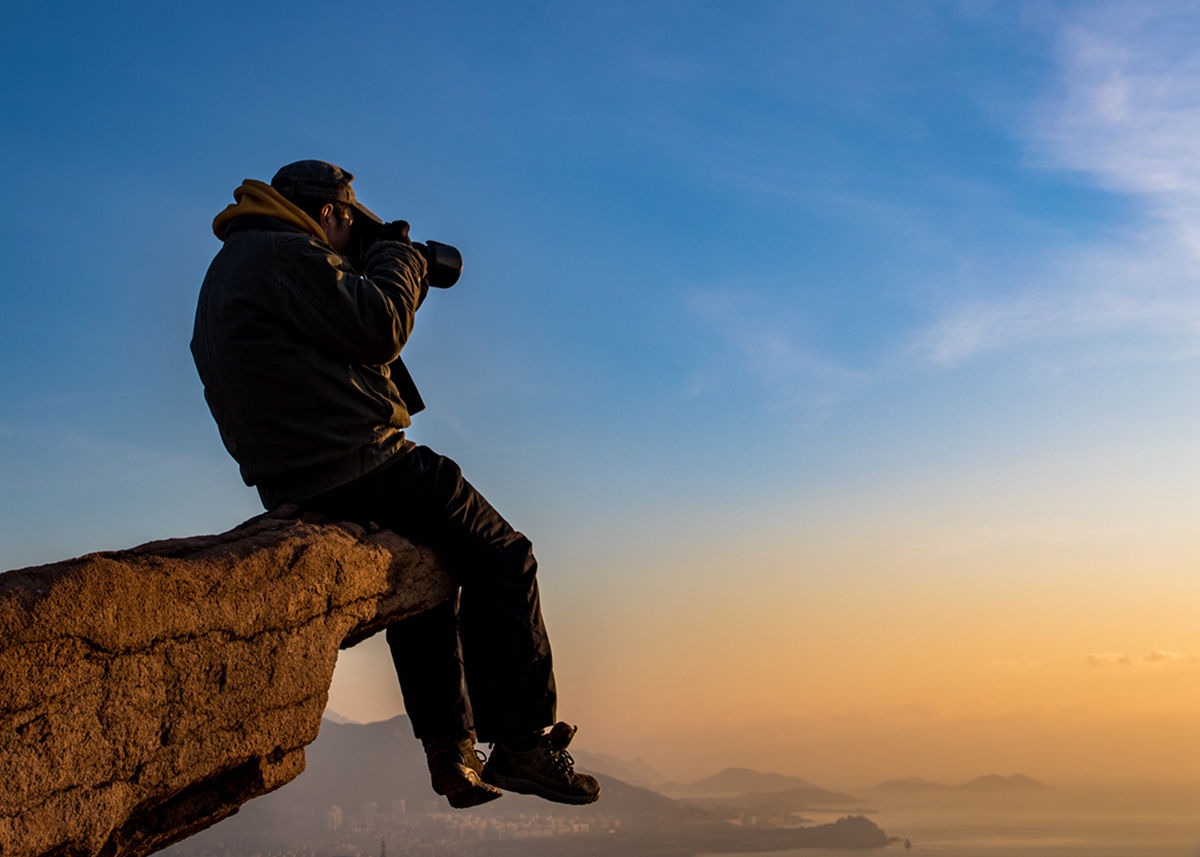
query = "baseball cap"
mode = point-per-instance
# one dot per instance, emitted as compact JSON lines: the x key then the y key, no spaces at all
{"x":320,"y":180}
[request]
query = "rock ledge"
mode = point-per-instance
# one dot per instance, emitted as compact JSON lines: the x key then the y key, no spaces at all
{"x":146,"y":694}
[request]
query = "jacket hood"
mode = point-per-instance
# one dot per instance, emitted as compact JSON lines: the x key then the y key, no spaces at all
{"x":255,"y":197}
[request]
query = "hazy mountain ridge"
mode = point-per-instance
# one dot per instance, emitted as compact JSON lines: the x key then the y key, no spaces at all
{"x":996,"y":782}
{"x":636,"y":771}
{"x":732,"y":782}
{"x":805,"y":797}
{"x":987,"y":782}
{"x":333,"y":717}
{"x":368,"y":782}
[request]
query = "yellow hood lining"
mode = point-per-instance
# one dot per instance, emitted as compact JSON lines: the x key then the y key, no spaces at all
{"x":255,"y":197}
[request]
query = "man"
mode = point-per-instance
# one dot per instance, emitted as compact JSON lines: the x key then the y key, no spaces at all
{"x":299,"y":353}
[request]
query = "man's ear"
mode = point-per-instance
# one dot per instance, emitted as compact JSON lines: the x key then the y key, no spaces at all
{"x":326,"y":211}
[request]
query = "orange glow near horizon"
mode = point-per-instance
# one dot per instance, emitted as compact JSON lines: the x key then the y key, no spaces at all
{"x":851,"y":656}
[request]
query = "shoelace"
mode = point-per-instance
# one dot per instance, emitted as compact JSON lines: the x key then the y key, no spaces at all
{"x":563,"y":761}
{"x":560,"y":758}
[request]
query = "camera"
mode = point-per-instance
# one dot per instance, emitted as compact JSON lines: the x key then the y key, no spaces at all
{"x":443,"y":262}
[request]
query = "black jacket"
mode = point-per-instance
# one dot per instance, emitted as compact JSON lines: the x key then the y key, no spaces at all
{"x":299,"y":355}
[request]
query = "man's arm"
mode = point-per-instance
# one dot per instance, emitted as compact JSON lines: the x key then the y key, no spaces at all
{"x":360,"y":318}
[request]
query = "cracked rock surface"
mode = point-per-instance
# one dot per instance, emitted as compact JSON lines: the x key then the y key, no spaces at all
{"x":146,"y":694}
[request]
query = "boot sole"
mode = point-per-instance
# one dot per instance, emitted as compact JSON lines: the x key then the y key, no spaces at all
{"x":531,"y":787}
{"x":471,"y":796}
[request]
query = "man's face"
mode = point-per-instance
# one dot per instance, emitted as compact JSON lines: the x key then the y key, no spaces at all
{"x":336,"y":220}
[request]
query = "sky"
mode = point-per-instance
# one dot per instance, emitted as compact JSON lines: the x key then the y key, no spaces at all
{"x":839,"y":358}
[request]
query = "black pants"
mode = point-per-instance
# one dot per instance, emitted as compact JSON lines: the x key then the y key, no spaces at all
{"x":479,"y":664}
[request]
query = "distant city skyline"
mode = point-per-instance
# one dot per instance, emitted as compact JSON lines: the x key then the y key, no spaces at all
{"x":839,"y":359}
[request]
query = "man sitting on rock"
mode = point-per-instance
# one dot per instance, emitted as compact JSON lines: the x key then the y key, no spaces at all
{"x":299,"y":353}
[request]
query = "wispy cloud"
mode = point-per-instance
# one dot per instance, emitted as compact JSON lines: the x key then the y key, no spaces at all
{"x":1158,"y":657}
{"x":1109,"y":659}
{"x":772,"y":348}
{"x":1123,"y":111}
{"x":1145,"y":287}
{"x":1017,"y":664}
{"x":1162,"y":657}
{"x":1127,"y":107}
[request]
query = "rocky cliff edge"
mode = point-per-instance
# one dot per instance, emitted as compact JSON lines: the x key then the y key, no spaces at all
{"x":148,"y":693}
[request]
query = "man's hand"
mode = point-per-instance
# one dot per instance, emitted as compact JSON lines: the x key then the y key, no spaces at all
{"x":394,"y":230}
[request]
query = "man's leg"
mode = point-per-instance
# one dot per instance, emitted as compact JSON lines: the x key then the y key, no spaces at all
{"x":427,"y":655}
{"x":428,"y":660}
{"x":504,"y":645}
{"x":506,"y":651}
{"x":425,"y":648}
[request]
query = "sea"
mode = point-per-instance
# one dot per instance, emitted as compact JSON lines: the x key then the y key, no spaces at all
{"x":1082,"y":821}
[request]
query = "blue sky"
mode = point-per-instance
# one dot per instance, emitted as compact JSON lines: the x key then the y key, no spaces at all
{"x":734,"y":275}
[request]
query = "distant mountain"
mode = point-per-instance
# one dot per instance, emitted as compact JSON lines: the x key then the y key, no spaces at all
{"x":641,"y":806}
{"x":732,"y":782}
{"x":990,"y":782}
{"x":995,"y":783}
{"x":784,"y":807}
{"x":333,"y":717}
{"x":803,"y":797}
{"x":909,"y":784}
{"x":635,"y":772}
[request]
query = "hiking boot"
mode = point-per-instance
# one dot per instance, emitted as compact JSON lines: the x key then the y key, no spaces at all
{"x":455,"y":771}
{"x":546,"y":770}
